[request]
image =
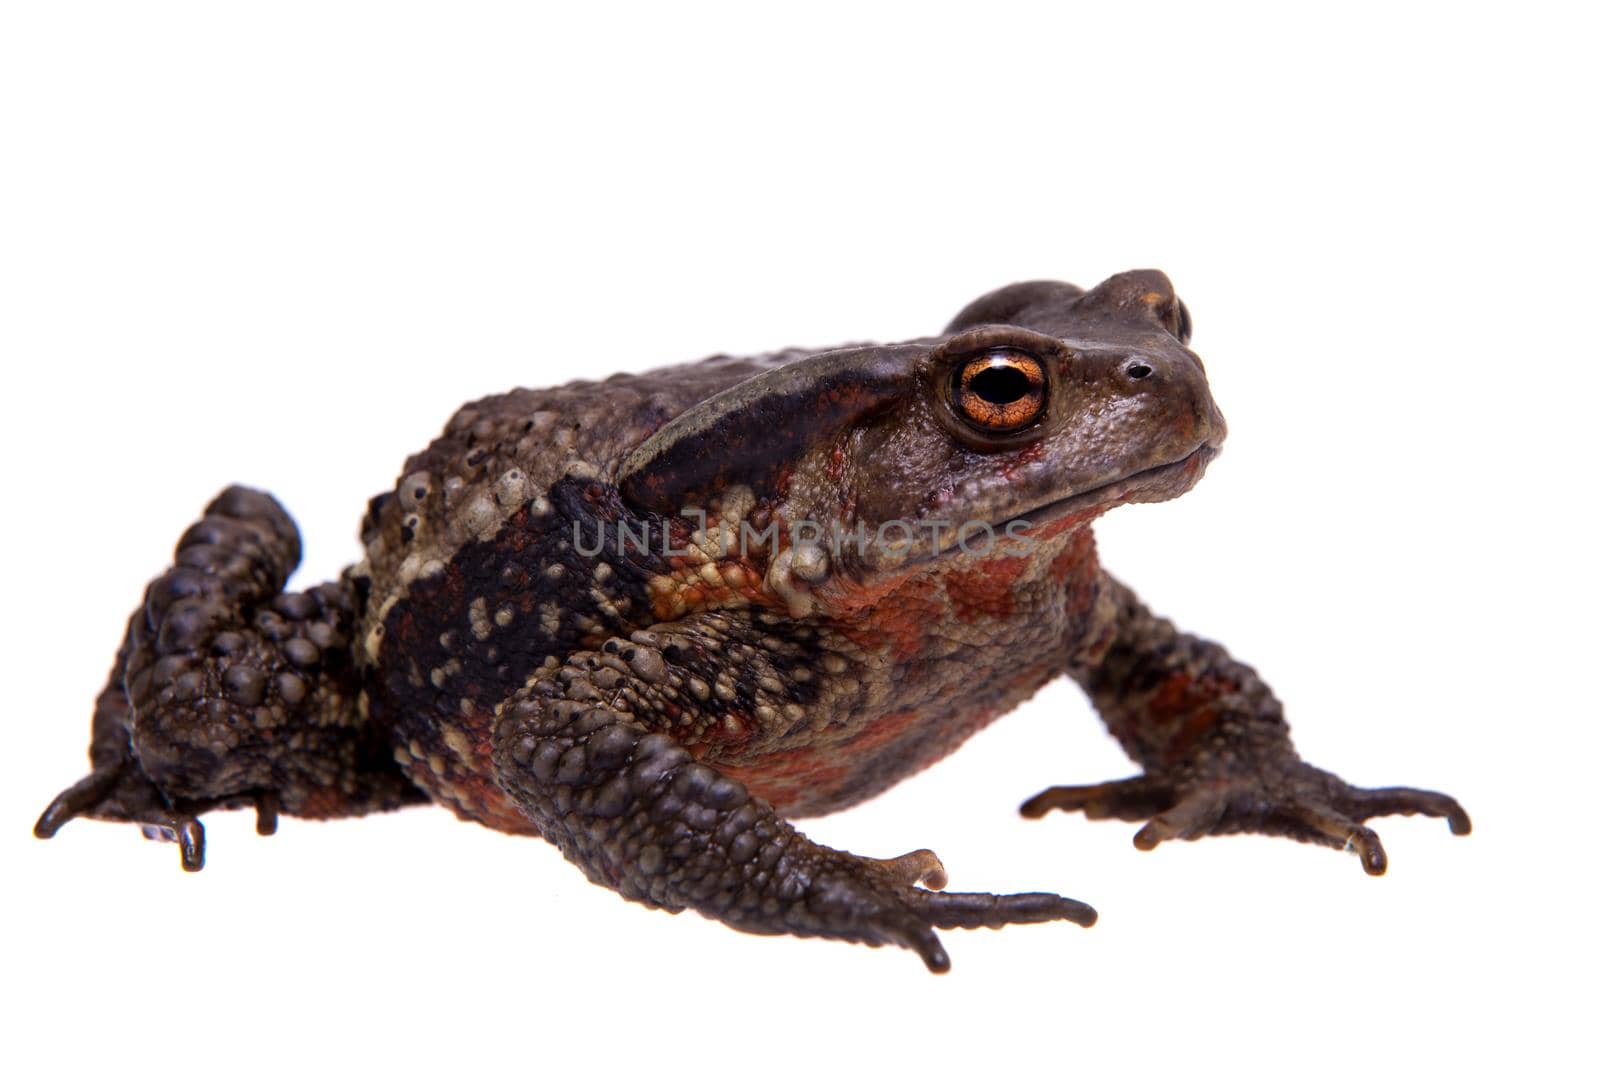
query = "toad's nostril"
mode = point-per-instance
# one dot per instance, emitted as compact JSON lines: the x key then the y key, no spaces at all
{"x":1140,"y":370}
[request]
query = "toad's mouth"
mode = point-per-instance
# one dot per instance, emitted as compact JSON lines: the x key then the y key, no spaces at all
{"x":1161,"y":482}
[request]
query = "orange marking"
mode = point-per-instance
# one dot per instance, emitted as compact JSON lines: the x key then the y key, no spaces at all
{"x":881,"y":730}
{"x":1175,"y":697}
{"x":835,"y":467}
{"x":985,"y":589}
{"x":785,"y":779}
{"x":1076,"y":557}
{"x":1191,"y":705}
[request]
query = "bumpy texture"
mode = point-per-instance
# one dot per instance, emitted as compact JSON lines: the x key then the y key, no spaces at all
{"x":228,"y":692}
{"x":640,"y":815}
{"x":651,"y":618}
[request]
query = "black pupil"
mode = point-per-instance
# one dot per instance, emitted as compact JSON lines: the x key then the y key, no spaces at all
{"x":1000,"y":385}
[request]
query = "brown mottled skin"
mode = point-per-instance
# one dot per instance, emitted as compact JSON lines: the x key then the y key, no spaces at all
{"x":557,"y":628}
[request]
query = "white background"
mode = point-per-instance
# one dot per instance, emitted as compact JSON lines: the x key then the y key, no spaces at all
{"x":280,"y":244}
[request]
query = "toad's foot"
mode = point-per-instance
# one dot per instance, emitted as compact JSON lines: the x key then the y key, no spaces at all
{"x":119,"y":791}
{"x":879,"y":902}
{"x":1289,"y":799}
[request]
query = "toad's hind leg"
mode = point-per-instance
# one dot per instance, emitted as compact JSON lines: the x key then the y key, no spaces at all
{"x":583,"y":749}
{"x":228,"y":692}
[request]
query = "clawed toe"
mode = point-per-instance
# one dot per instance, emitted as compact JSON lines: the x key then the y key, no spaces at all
{"x":909,"y":916}
{"x":1399,"y":800}
{"x":972,"y":910}
{"x":189,"y":835}
{"x":1290,"y":798}
{"x":1341,"y":831}
{"x":1192,"y":817}
{"x":119,"y":791}
{"x":1127,"y":798}
{"x":921,"y":866}
{"x":929,"y":911}
{"x":75,"y":800}
{"x":266,"y":814}
{"x":1340,"y":822}
{"x":925,"y":943}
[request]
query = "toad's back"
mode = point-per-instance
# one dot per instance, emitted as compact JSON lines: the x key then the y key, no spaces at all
{"x":475,"y":574}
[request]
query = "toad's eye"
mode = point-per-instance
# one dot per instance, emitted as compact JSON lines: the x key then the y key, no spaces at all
{"x":1000,"y":390}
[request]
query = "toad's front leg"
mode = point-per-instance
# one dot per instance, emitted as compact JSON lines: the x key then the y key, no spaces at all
{"x":634,"y":810}
{"x":1215,"y":749}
